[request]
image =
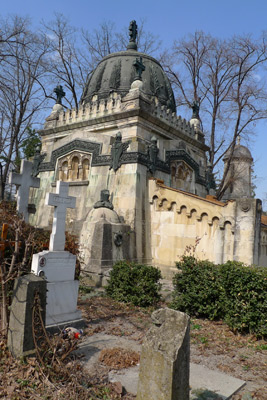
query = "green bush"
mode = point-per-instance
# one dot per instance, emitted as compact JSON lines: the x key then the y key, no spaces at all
{"x":232,"y":292}
{"x":196,"y":289}
{"x":245,"y":297}
{"x":134,"y":283}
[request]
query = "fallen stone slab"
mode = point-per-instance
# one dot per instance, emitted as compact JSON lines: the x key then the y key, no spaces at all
{"x":203,"y":378}
{"x":204,"y":382}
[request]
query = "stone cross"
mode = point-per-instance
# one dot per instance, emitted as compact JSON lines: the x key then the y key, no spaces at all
{"x":61,"y":201}
{"x":25,"y":181}
{"x":139,"y":66}
{"x":60,"y":94}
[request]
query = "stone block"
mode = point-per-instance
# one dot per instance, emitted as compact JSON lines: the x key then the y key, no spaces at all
{"x":165,"y":356}
{"x":20,"y":337}
{"x":54,"y":265}
{"x":62,"y":303}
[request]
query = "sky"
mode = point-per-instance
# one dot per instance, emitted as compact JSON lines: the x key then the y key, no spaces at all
{"x":169,"y":19}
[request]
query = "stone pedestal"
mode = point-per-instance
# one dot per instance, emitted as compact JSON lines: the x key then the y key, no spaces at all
{"x":104,"y":241}
{"x":20,"y":337}
{"x":58,"y":268}
{"x":164,"y":364}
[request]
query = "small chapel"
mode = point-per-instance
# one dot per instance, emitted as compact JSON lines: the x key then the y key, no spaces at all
{"x":139,"y":172}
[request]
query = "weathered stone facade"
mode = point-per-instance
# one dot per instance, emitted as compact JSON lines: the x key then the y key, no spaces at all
{"x":79,"y":146}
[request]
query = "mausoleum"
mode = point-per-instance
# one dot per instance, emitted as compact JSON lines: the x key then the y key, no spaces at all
{"x":140,"y":175}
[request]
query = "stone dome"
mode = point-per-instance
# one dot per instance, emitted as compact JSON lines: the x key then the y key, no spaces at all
{"x":104,"y":214}
{"x":116,"y":72}
{"x":240,"y":152}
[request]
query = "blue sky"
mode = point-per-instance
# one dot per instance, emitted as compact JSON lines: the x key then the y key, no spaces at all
{"x":169,"y":19}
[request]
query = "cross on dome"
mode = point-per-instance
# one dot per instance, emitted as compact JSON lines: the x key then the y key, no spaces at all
{"x":139,"y":66}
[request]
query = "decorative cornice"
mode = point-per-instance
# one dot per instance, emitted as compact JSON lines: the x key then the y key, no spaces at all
{"x":126,"y":158}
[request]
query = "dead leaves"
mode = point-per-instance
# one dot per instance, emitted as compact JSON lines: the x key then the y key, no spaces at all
{"x":118,"y":358}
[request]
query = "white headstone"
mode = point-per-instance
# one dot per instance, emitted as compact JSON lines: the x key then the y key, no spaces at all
{"x":25,"y":181}
{"x":58,"y":266}
{"x":61,"y":201}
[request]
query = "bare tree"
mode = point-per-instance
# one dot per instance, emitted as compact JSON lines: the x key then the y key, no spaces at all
{"x":226,"y":76}
{"x":20,"y":94}
{"x":66,"y":60}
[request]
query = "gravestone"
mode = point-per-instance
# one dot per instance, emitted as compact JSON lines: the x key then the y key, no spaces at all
{"x":20,"y":334}
{"x":25,"y":181}
{"x":58,"y":266}
{"x":164,"y":363}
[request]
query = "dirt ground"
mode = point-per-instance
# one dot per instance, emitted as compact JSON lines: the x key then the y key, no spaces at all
{"x":212,"y":344}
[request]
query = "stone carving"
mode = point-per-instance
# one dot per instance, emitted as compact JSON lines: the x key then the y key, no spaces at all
{"x":164,"y":364}
{"x":25,"y":181}
{"x":152,"y":152}
{"x":38,"y":158}
{"x":182,"y":155}
{"x":139,"y":67}
{"x":181,"y":175}
{"x":245,"y":205}
{"x":104,"y":200}
{"x":117,"y":149}
{"x":154,"y":82}
{"x":118,"y":238}
{"x":59,"y":93}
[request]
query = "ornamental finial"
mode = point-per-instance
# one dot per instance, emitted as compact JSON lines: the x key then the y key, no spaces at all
{"x":133,"y":35}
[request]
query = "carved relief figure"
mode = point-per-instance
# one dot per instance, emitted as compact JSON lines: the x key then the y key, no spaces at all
{"x":181,"y":175}
{"x":152,"y":152}
{"x":117,"y":149}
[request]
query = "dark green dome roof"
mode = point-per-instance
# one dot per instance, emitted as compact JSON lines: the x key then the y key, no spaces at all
{"x":116,"y":72}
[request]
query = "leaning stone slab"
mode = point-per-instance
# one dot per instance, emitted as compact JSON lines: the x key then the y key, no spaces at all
{"x":165,"y":356}
{"x":20,"y":336}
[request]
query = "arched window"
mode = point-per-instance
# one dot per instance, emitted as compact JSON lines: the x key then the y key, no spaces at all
{"x":85,"y":169}
{"x":64,"y":171}
{"x":75,"y":168}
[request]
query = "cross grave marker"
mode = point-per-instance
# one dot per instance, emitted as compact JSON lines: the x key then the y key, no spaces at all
{"x":25,"y":181}
{"x":61,"y":201}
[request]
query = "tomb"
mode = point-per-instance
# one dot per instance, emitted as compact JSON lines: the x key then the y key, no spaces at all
{"x":126,"y":138}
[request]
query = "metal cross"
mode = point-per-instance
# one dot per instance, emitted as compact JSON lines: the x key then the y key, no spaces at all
{"x":61,"y":201}
{"x":60,"y":94}
{"x":25,"y":181}
{"x":139,"y":66}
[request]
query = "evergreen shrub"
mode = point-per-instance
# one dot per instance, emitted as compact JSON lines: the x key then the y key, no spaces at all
{"x":233,"y":292}
{"x":134,"y":283}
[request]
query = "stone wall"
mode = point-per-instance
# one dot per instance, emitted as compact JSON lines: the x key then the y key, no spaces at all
{"x":217,"y":231}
